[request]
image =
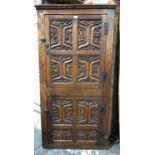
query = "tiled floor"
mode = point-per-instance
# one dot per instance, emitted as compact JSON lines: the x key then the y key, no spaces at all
{"x":114,"y":150}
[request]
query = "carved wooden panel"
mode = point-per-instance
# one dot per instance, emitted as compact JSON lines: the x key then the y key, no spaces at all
{"x":88,"y":68}
{"x":60,"y":111}
{"x":89,"y":34}
{"x":87,"y":111}
{"x":61,"y":68}
{"x":59,"y":135}
{"x":86,"y":135}
{"x":61,"y":34}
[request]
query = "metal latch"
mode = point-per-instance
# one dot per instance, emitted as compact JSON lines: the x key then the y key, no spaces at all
{"x":103,"y":109}
{"x":106,"y":28}
{"x":104,"y":75}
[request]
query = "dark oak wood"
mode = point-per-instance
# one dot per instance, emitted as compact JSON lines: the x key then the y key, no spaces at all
{"x":74,"y":6}
{"x":75,"y":49}
{"x":114,"y":138}
{"x":62,"y":2}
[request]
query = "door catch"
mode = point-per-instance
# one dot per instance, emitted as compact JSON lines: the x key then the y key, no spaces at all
{"x":42,"y":38}
{"x":106,"y":28}
{"x":46,"y":110}
{"x":104,"y":75}
{"x":46,"y":45}
{"x":103,"y":109}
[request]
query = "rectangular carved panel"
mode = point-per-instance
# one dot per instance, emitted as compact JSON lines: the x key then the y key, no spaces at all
{"x":61,"y":68}
{"x":89,"y":34}
{"x":60,"y":111}
{"x":59,"y":135}
{"x":87,"y":111}
{"x":88,"y":68}
{"x":86,"y":135}
{"x":61,"y":34}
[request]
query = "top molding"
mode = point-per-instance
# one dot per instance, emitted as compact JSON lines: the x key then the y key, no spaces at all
{"x":74,"y":6}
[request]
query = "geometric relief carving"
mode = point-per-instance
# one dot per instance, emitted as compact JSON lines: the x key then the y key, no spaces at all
{"x":81,"y":113}
{"x":60,"y":111}
{"x":89,"y":34}
{"x":86,"y":135}
{"x":87,"y":111}
{"x":58,"y":135}
{"x":61,"y":68}
{"x":88,"y":68}
{"x":61,"y":34}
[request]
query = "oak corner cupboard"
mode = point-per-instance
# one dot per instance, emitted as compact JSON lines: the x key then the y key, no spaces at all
{"x":75,"y":57}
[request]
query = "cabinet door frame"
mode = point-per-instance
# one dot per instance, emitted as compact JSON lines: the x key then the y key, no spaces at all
{"x":107,"y":92}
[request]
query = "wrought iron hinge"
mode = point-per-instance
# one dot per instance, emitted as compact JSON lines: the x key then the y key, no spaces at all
{"x":104,"y":75}
{"x":102,"y":133}
{"x":106,"y":28}
{"x":103,"y":109}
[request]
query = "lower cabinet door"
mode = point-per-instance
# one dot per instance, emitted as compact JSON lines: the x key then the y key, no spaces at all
{"x":73,"y":121}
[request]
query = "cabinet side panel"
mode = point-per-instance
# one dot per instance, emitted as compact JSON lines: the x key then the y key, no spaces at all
{"x":42,"y":69}
{"x":108,"y":67}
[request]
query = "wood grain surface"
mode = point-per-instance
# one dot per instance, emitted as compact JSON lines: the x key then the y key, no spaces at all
{"x":75,"y":55}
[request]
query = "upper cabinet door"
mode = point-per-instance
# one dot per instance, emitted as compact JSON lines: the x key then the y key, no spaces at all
{"x":75,"y":50}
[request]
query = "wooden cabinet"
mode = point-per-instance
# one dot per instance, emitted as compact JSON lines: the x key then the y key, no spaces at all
{"x":75,"y":53}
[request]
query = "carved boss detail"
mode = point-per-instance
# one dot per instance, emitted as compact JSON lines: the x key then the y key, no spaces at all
{"x":88,"y":68}
{"x":89,"y":34}
{"x":61,"y":68}
{"x":61,"y":34}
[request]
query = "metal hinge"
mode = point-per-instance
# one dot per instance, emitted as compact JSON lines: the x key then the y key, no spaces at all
{"x":104,"y":75}
{"x":106,"y":28}
{"x":103,"y":109}
{"x":102,"y":133}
